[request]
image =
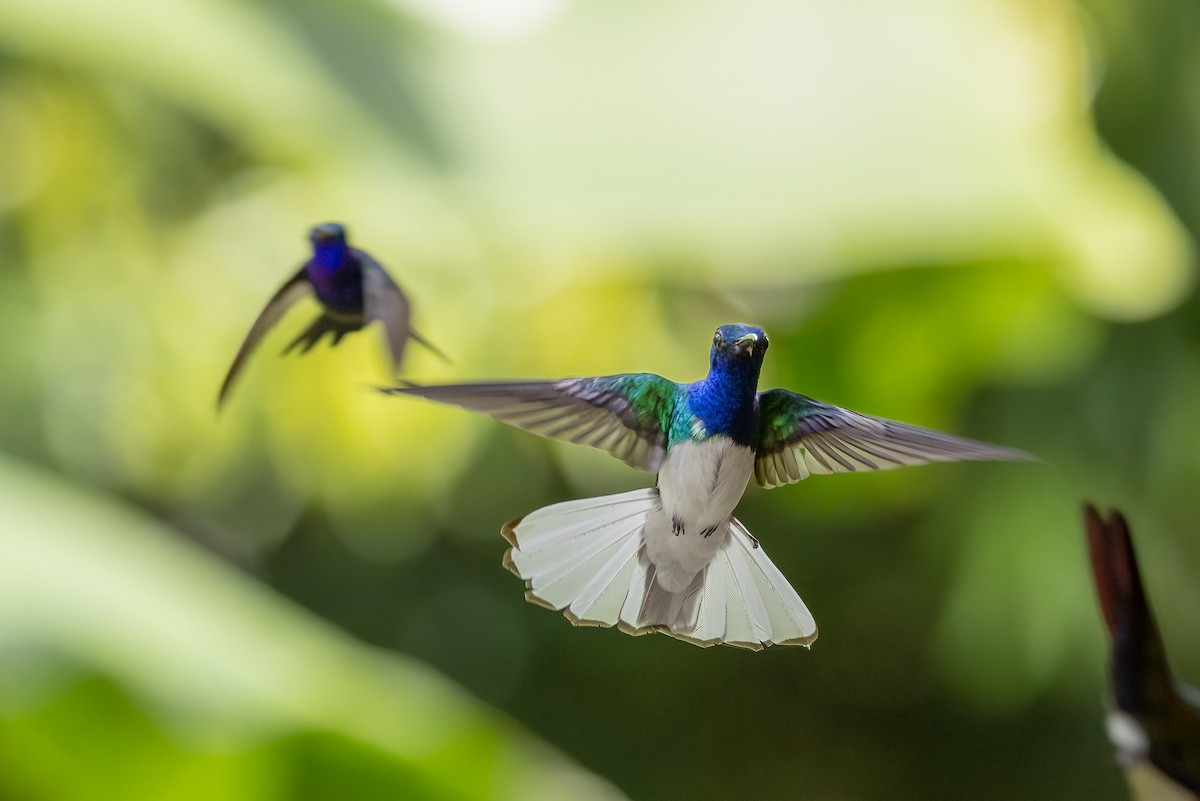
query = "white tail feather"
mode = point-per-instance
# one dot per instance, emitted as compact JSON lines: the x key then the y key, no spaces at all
{"x":588,"y":558}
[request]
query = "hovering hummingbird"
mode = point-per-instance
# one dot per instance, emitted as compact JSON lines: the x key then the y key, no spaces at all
{"x":1154,"y":723}
{"x":673,"y":558}
{"x":353,"y":289}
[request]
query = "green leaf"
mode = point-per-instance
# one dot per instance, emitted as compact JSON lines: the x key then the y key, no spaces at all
{"x":146,"y":661}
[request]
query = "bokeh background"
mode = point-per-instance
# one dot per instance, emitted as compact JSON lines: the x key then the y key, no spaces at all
{"x":974,"y":216}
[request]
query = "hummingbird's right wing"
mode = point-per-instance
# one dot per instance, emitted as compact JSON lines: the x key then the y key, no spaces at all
{"x":288,"y":295}
{"x":627,"y":415}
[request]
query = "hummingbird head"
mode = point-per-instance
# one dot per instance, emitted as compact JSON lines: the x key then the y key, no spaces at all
{"x":739,"y":344}
{"x":328,"y":242}
{"x":724,"y":399}
{"x":329,"y":233}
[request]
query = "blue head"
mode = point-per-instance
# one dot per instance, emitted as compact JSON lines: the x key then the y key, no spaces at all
{"x":737,"y":353}
{"x":725,"y":398}
{"x":329,"y":244}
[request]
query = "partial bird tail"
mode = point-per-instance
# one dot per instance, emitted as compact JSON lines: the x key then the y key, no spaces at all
{"x":588,"y":559}
{"x":327,"y":323}
{"x":1141,"y":676}
{"x":1115,"y":570}
{"x":434,"y":349}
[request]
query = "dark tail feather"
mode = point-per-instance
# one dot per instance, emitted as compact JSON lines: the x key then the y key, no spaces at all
{"x":1115,"y":570}
{"x":320,"y":327}
{"x":1141,"y":678}
{"x":1141,"y":681}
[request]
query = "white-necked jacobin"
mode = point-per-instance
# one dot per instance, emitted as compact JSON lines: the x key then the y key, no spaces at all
{"x":673,"y":558}
{"x":353,"y":290}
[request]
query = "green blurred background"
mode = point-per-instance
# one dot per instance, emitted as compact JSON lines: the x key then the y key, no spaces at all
{"x":974,"y":216}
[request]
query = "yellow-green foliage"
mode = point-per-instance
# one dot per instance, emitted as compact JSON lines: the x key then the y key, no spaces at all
{"x":910,"y":197}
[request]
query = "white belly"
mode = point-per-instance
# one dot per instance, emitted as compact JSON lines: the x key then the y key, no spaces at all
{"x":699,"y":485}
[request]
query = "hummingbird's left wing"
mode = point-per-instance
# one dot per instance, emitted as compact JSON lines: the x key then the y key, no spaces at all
{"x":799,"y":436}
{"x":384,"y":301}
{"x":287,"y":296}
{"x":627,"y":415}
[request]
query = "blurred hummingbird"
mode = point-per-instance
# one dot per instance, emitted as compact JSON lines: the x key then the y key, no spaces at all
{"x":673,"y":558}
{"x":1154,"y":722}
{"x":353,"y":289}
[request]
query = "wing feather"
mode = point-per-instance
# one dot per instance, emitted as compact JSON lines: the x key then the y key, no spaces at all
{"x":626,"y":415}
{"x":384,"y":301}
{"x":287,"y":296}
{"x":799,"y":436}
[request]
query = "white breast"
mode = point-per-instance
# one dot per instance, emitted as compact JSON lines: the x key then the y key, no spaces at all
{"x":702,"y":482}
{"x":699,"y":485}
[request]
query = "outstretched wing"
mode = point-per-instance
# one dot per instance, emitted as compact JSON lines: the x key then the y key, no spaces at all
{"x":386,"y":302}
{"x":627,"y":415}
{"x":285,"y":297}
{"x":799,"y":436}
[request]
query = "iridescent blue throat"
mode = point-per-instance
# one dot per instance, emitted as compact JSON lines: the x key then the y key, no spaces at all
{"x":726,"y":400}
{"x":336,"y":277}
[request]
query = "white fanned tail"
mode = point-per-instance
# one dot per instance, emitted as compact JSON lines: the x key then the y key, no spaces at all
{"x":588,"y":559}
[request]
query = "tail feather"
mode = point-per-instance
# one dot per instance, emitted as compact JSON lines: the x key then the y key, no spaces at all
{"x":745,"y":616}
{"x":641,"y":581}
{"x":588,"y":558}
{"x":601,"y":600}
{"x":713,"y":610}
{"x":562,"y":584}
{"x":676,"y":611}
{"x":552,"y":563}
{"x":780,"y":608}
{"x":321,"y":326}
{"x":561,"y":550}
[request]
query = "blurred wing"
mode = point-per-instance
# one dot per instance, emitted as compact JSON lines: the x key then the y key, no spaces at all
{"x":627,"y":415}
{"x":385,"y":302}
{"x":287,"y":296}
{"x":799,"y":436}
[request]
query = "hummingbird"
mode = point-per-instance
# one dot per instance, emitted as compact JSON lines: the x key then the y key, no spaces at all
{"x":353,"y":290}
{"x":1154,"y":721}
{"x":673,"y":558}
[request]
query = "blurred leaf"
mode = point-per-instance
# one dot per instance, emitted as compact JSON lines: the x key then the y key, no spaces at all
{"x":203,"y":663}
{"x":913,"y":198}
{"x":367,"y":48}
